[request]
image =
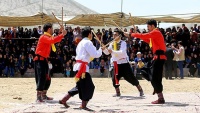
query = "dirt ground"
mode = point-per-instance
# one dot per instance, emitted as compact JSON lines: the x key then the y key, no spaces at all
{"x":19,"y":94}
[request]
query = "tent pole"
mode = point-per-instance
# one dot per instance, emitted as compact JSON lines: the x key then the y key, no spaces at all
{"x":42,"y":13}
{"x":121,"y":12}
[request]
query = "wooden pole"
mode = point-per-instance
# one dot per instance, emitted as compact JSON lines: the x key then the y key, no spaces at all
{"x":62,"y":16}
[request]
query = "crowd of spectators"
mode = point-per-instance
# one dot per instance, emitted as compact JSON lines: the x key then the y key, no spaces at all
{"x":17,"y":49}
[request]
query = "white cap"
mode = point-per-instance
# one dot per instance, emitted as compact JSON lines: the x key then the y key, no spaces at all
{"x":138,"y":53}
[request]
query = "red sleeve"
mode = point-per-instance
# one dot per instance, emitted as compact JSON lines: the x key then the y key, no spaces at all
{"x":46,"y":39}
{"x":145,"y":37}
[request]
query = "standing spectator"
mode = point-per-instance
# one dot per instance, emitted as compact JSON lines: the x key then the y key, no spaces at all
{"x":169,"y":62}
{"x":175,"y":59}
{"x":8,"y":34}
{"x":35,"y":33}
{"x":179,"y":35}
{"x":14,"y":33}
{"x":40,"y":30}
{"x":16,"y":69}
{"x":67,"y":69}
{"x":195,"y":28}
{"x":11,"y":66}
{"x":168,"y":37}
{"x":186,"y":35}
{"x":198,"y":30}
{"x":181,"y":57}
{"x":193,"y":36}
{"x":6,"y":64}
{"x":26,"y":34}
{"x":21,"y":32}
{"x":22,"y":65}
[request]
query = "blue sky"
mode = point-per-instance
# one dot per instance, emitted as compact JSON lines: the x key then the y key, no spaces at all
{"x":144,"y":7}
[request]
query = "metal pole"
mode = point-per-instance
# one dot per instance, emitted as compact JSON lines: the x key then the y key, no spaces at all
{"x":121,"y":11}
{"x":42,"y":13}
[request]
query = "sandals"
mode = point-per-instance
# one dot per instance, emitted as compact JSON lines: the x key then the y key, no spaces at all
{"x":65,"y":104}
{"x":159,"y":101}
{"x":85,"y":108}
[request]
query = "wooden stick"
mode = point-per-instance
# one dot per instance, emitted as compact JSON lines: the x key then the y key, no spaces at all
{"x":117,"y":25}
{"x":97,"y":38}
{"x":131,"y":19}
{"x":112,"y":41}
{"x":57,"y":20}
{"x":102,"y":37}
{"x":62,"y":15}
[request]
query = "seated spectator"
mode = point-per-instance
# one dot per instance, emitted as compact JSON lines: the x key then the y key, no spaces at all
{"x":102,"y":67}
{"x":1,"y":64}
{"x":193,"y":66}
{"x":50,"y":72}
{"x":198,"y":65}
{"x":140,"y":64}
{"x":139,"y":56}
{"x":188,"y":61}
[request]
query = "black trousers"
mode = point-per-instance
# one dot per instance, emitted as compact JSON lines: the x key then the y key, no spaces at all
{"x":22,"y":71}
{"x":124,"y":70}
{"x":157,"y":75}
{"x":41,"y":72}
{"x":168,"y":69}
{"x":192,"y":70}
{"x":84,"y":87}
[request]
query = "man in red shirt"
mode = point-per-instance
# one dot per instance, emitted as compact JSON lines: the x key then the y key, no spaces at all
{"x":43,"y":49}
{"x":156,"y":41}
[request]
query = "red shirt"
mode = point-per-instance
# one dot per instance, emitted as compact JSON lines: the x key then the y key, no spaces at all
{"x":44,"y":44}
{"x":157,"y":40}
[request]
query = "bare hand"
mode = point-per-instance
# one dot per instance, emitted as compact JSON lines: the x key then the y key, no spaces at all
{"x":103,"y":48}
{"x":61,"y":29}
{"x":110,"y":51}
{"x":127,"y":34}
{"x":64,"y":32}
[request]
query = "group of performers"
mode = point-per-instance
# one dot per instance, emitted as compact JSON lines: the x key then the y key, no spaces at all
{"x":85,"y":51}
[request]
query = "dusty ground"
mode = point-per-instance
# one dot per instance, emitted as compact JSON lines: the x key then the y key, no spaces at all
{"x":18,"y":95}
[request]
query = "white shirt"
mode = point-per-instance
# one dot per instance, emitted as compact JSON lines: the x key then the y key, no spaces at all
{"x":84,"y":52}
{"x":120,"y":55}
{"x":175,"y":56}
